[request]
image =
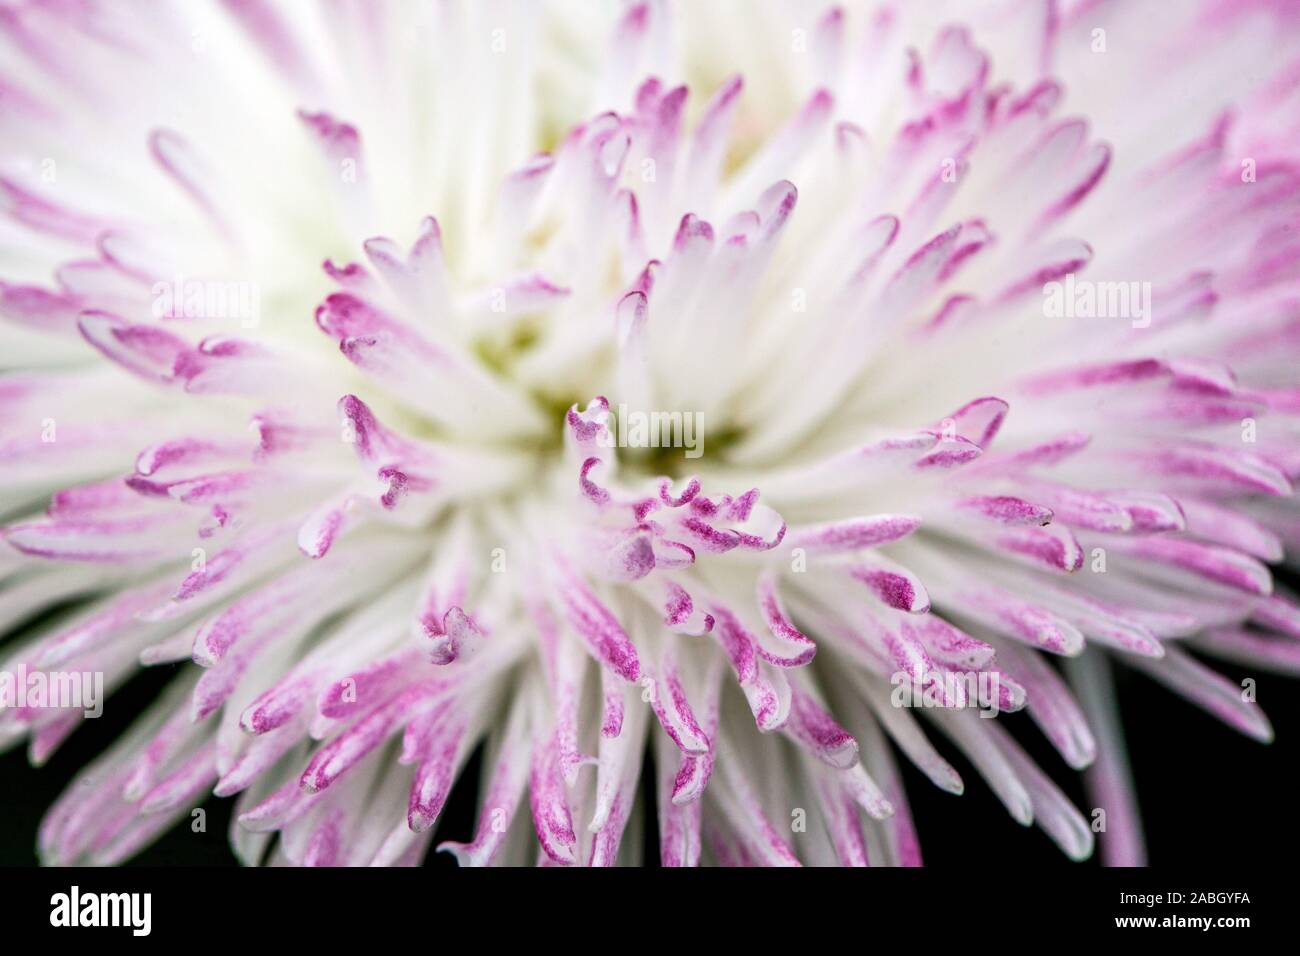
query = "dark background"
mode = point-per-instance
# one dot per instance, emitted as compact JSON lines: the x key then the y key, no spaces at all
{"x":1209,"y":795}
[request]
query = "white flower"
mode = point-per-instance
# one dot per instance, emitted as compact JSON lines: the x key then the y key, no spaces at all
{"x":743,"y":376}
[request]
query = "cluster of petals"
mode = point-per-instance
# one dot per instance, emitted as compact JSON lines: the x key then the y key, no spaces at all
{"x":384,"y":524}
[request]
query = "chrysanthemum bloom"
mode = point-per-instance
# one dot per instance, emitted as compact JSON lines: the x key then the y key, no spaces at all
{"x":771,"y":388}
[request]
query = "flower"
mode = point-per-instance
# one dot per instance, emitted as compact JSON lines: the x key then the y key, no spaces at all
{"x":764,"y":386}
